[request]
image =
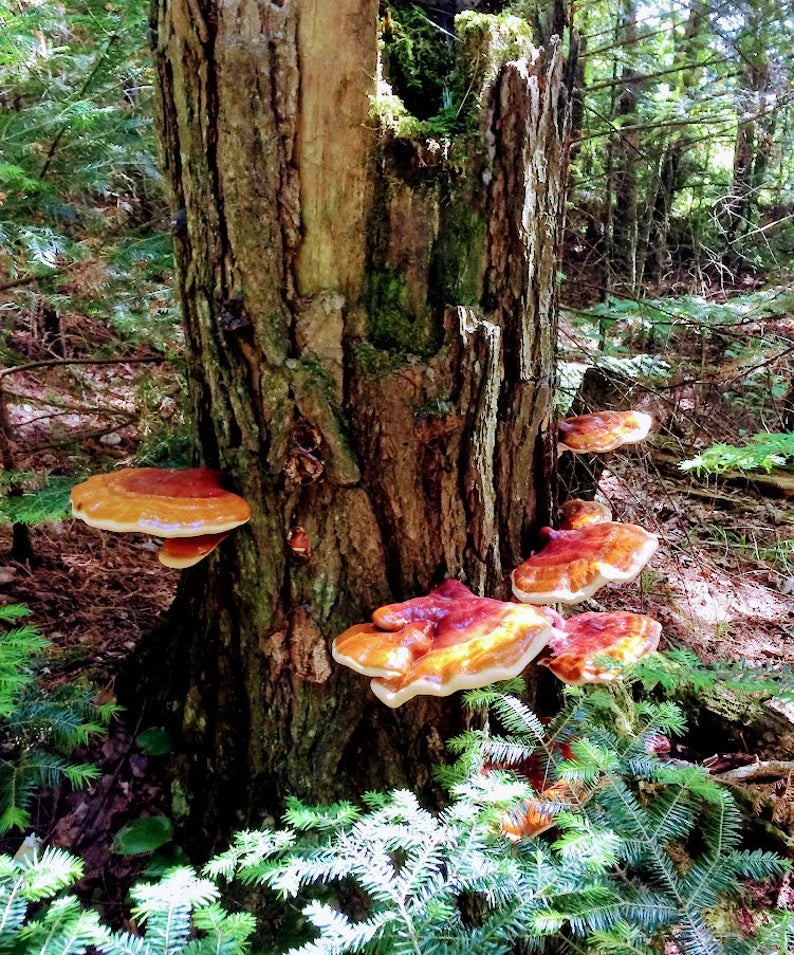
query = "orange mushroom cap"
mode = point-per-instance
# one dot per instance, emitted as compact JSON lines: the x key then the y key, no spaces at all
{"x":182,"y":552}
{"x":573,"y":565}
{"x":589,"y":637}
{"x":577,"y":513}
{"x":371,"y":652}
{"x":603,"y":431}
{"x":299,"y":543}
{"x":447,"y":641}
{"x":530,"y":817}
{"x":166,"y":502}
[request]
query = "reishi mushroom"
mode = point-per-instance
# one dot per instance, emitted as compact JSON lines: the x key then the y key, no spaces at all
{"x":582,"y":647}
{"x":182,"y":552}
{"x":170,"y":503}
{"x":166,"y":502}
{"x":577,"y":513}
{"x":530,"y":817}
{"x":447,"y":641}
{"x":603,"y":431}
{"x":572,"y":565}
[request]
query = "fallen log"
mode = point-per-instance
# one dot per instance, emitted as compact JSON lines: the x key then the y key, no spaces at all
{"x":774,"y":484}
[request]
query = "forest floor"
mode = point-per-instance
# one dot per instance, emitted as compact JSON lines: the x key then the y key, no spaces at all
{"x":722,"y":582}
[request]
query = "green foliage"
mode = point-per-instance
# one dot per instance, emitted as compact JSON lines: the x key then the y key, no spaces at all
{"x":156,"y":741}
{"x":645,"y":849}
{"x":81,"y":204}
{"x":74,"y":115}
{"x":43,"y":498}
{"x":143,"y":835}
{"x":179,"y":914}
{"x":418,"y":59}
{"x":694,"y":205}
{"x":658,"y":323}
{"x":762,"y":452}
{"x":39,"y":728}
{"x":680,"y":672}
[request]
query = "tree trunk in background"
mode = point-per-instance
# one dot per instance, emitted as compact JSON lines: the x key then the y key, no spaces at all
{"x":625,"y":154}
{"x":689,"y":48}
{"x":370,"y":343}
{"x":753,"y":134}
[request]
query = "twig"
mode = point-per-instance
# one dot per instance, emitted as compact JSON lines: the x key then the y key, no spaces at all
{"x":60,"y":362}
{"x":25,"y":280}
{"x":763,"y":769}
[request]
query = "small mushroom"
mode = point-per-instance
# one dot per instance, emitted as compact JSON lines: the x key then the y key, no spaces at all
{"x":603,"y":431}
{"x":572,"y":565}
{"x":530,"y":817}
{"x":299,"y":544}
{"x":182,"y":552}
{"x":447,"y":641}
{"x":577,"y":513}
{"x":582,"y":648}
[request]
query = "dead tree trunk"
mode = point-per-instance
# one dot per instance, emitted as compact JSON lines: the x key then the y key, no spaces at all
{"x":370,"y":323}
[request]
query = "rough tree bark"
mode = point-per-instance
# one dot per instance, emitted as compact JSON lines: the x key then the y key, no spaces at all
{"x":370,"y":346}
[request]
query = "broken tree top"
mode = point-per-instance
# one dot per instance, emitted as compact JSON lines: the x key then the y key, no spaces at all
{"x":447,"y":641}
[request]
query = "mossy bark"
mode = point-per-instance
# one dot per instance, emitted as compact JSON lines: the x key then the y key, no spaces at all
{"x":370,"y":349}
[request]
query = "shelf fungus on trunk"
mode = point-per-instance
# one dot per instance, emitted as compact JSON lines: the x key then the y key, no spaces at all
{"x":182,"y":552}
{"x":603,"y":431}
{"x":572,"y":565}
{"x":593,"y":647}
{"x":576,"y":513}
{"x":447,"y":641}
{"x":189,"y":508}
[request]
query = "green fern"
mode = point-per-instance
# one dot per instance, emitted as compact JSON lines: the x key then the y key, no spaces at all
{"x":680,"y":671}
{"x":645,"y":854}
{"x":763,"y":452}
{"x":43,"y":499}
{"x":39,"y":728}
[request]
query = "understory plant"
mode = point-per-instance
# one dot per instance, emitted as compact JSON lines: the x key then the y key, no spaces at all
{"x":40,"y":727}
{"x":643,"y":852}
{"x":39,"y":916}
{"x":762,"y":452}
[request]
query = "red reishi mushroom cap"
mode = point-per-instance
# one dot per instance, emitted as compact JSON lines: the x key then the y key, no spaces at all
{"x":603,"y":431}
{"x":573,"y":565}
{"x":447,"y":641}
{"x":299,"y":543}
{"x":182,"y":552}
{"x":589,"y":637}
{"x":166,"y":502}
{"x":577,"y":513}
{"x":371,"y":652}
